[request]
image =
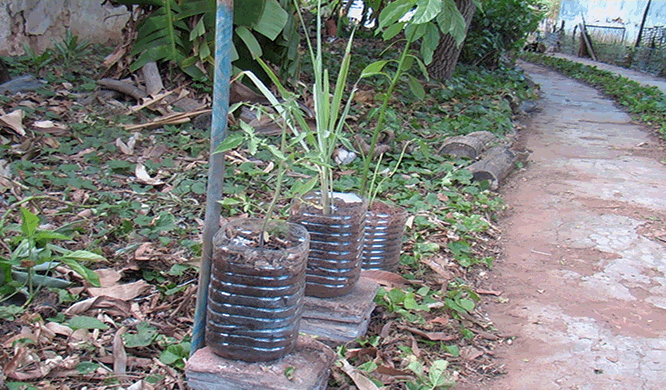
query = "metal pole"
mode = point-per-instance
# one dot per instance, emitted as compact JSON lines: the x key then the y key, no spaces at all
{"x":640,"y":30}
{"x":218,"y":131}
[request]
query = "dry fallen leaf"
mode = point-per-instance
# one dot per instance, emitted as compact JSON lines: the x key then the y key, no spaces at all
{"x":110,"y":305}
{"x":360,"y":380}
{"x":143,"y":177}
{"x":385,"y":278}
{"x":13,"y":121}
{"x":119,"y":354}
{"x":123,"y":292}
{"x":440,"y":266}
{"x":470,"y":353}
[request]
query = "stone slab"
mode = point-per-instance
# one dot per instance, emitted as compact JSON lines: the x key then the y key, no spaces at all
{"x":311,"y":362}
{"x":340,"y":319}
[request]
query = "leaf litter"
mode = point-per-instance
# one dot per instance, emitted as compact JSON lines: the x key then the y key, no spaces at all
{"x":135,"y":193}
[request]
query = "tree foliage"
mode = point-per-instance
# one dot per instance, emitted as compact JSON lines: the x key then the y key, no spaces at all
{"x":183,"y":32}
{"x":499,"y":27}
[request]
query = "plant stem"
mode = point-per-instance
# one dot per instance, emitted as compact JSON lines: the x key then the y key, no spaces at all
{"x":278,"y":186}
{"x":382,"y":114}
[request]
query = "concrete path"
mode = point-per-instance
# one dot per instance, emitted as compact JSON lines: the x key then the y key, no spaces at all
{"x":584,"y":276}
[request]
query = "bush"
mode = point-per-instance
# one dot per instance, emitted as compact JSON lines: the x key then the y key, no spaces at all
{"x":499,"y":27}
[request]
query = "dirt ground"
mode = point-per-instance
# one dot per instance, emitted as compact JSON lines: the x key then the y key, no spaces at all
{"x":583,"y":277}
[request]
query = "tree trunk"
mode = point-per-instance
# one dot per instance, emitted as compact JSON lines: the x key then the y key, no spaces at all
{"x":446,"y":55}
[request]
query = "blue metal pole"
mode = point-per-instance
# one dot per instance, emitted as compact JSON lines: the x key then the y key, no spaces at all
{"x":223,"y":36}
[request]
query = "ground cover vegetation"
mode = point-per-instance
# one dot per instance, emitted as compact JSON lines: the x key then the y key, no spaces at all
{"x":646,"y":103}
{"x":116,"y":216}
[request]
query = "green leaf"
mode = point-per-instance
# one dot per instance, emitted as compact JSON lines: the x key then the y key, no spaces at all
{"x":415,"y":31}
{"x":46,"y":236}
{"x":43,"y":280}
{"x":416,"y":87}
{"x":276,"y":152}
{"x":198,"y":30}
{"x":450,"y":21}
{"x":85,"y":322}
{"x":20,"y":386}
{"x":248,"y":12}
{"x":426,"y":10}
{"x":438,"y":375}
{"x":82,"y":255}
{"x":231,"y":142}
{"x":302,"y":188}
{"x":459,"y":247}
{"x":273,"y":20}
{"x":416,"y":367}
{"x":374,"y":68}
{"x":87,"y":367}
{"x":82,"y":270}
{"x":144,"y":336}
{"x":466,"y":304}
{"x":30,"y":222}
{"x":393,"y":12}
{"x":250,"y":41}
{"x":430,"y":42}
{"x":393,"y":30}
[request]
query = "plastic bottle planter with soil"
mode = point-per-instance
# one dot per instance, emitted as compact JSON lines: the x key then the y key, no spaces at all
{"x":336,"y":242}
{"x":384,"y":228}
{"x":256,"y":292}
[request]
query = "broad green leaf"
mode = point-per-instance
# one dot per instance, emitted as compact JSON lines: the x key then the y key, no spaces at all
{"x":273,"y":20}
{"x":430,"y":42}
{"x":144,"y":336}
{"x":415,"y":31}
{"x":302,"y":188}
{"x":250,"y":41}
{"x":426,"y":10}
{"x":82,"y":270}
{"x":248,"y":12}
{"x":231,"y":142}
{"x":20,"y":386}
{"x":29,"y":223}
{"x":393,"y":30}
{"x":43,"y":280}
{"x":416,"y":367}
{"x":411,"y":304}
{"x":194,"y":8}
{"x":81,"y":255}
{"x":466,"y":304}
{"x":374,"y":68}
{"x":393,"y":12}
{"x":85,"y":322}
{"x":396,"y":295}
{"x":438,"y":375}
{"x":198,"y":30}
{"x":416,"y":87}
{"x":451,"y":21}
{"x":87,"y":367}
{"x":459,"y":247}
{"x":275,"y":151}
{"x":47,"y":235}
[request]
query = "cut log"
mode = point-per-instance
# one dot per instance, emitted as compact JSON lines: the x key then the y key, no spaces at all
{"x":468,"y":146}
{"x":496,"y":164}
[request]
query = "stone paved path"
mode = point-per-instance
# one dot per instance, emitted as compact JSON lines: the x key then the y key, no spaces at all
{"x":584,"y":238}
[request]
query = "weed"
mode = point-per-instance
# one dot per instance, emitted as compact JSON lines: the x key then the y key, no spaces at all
{"x":70,"y":49}
{"x":34,"y":257}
